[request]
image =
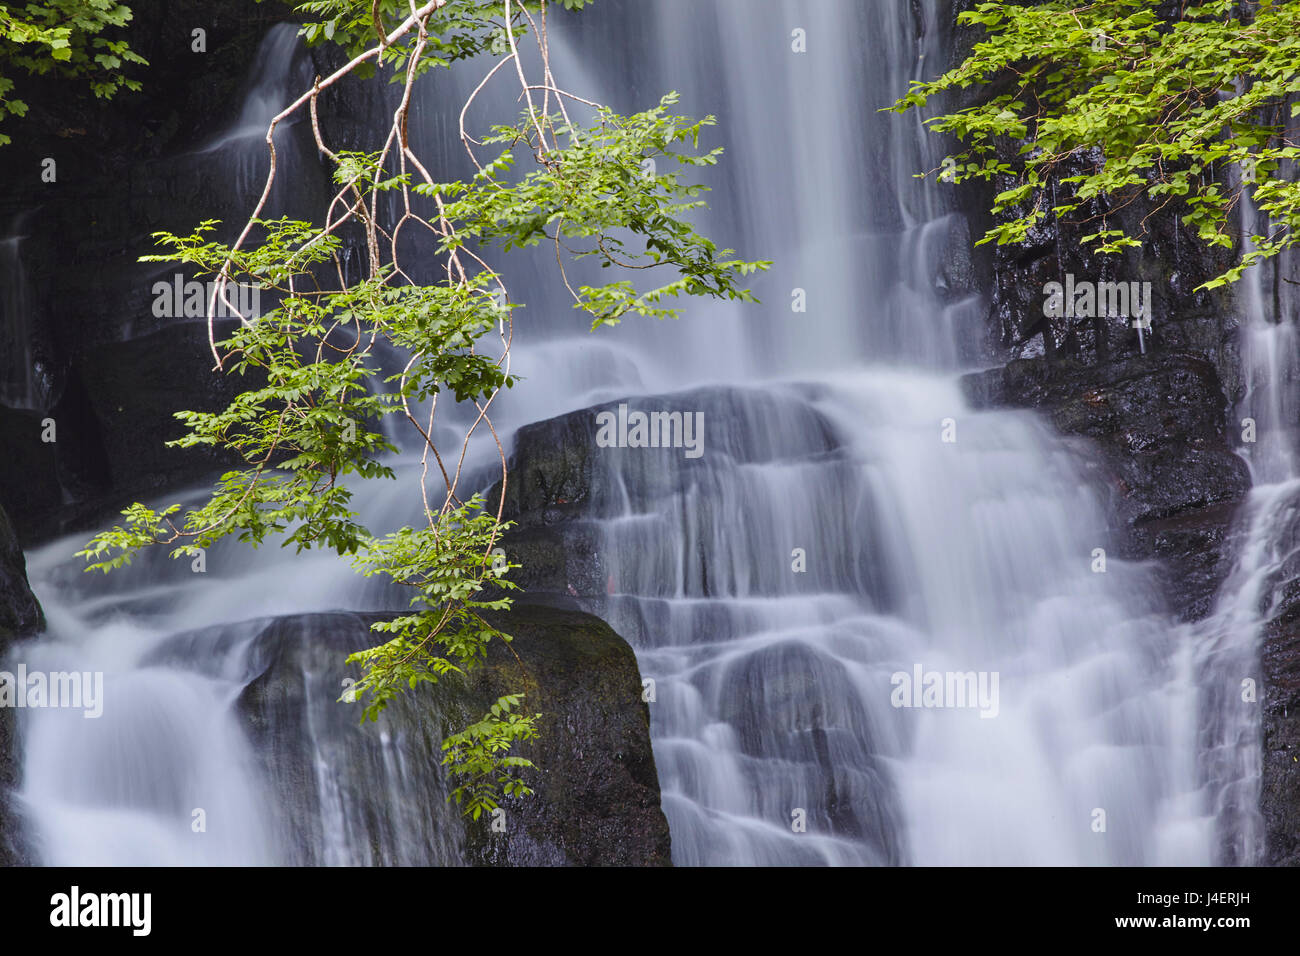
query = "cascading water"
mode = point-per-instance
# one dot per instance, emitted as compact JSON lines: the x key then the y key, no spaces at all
{"x":1266,"y":552}
{"x":19,"y":377}
{"x":774,"y":684}
{"x":240,"y":150}
{"x":773,"y":687}
{"x":828,"y":538}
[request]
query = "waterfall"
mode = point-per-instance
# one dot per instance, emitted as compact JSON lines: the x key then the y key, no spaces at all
{"x":238,"y":153}
{"x":774,"y":686}
{"x":850,"y":520}
{"x":20,"y":384}
{"x":1266,"y":551}
{"x":774,"y":703}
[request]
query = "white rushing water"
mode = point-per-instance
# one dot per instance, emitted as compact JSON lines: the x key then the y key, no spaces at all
{"x":825,"y":444}
{"x":1266,"y":553}
{"x":20,"y":385}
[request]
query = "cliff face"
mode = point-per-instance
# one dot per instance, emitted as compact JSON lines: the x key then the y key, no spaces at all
{"x":109,"y":370}
{"x":1155,"y":402}
{"x":1280,"y":657}
{"x":20,"y":612}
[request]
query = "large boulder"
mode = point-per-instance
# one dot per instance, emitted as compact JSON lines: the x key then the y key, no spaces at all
{"x":343,"y":791}
{"x":562,"y":485}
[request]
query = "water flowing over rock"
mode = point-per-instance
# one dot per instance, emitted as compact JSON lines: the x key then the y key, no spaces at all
{"x":228,"y":744}
{"x":773,"y":683}
{"x":1158,"y":422}
{"x":376,"y":794}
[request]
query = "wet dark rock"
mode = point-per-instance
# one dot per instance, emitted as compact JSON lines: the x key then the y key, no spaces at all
{"x":960,"y":263}
{"x":20,"y":616}
{"x":30,"y":485}
{"x":561,"y":483}
{"x":597,"y":799}
{"x":20,"y":612}
{"x":549,"y":495}
{"x":1159,"y":444}
{"x":1280,"y":784}
{"x":1280,"y":796}
{"x":112,"y":423}
{"x":1171,"y":258}
{"x":135,"y":389}
{"x":1279,"y":699}
{"x":1195,"y":553}
{"x":1158,"y":415}
{"x":12,"y":850}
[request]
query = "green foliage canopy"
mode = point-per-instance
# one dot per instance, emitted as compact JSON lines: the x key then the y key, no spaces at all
{"x":64,"y":37}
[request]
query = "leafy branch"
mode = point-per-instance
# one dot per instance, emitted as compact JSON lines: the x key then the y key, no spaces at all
{"x":63,"y":37}
{"x":1117,"y":103}
{"x":311,"y":421}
